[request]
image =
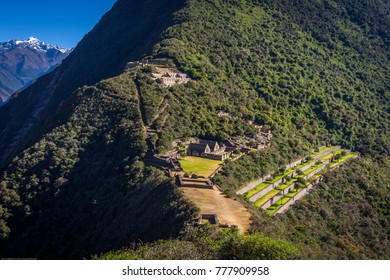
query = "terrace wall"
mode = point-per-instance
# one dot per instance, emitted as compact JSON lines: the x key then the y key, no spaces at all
{"x":310,"y":186}
{"x":326,"y":152}
{"x":301,"y":194}
{"x":306,"y":167}
{"x":315,"y":171}
{"x":271,"y":201}
{"x":288,"y":189}
{"x":261,"y":193}
{"x":193,"y":183}
{"x":295,"y":163}
{"x":253,"y":184}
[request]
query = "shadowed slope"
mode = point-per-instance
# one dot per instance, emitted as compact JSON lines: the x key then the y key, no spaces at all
{"x":125,"y":33}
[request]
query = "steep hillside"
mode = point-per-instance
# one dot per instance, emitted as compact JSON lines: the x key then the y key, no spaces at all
{"x":313,"y":72}
{"x":125,"y":33}
{"x":83,"y":187}
{"x":345,"y":218}
{"x":22,"y":62}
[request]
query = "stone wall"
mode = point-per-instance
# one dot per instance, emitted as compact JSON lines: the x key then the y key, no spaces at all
{"x":253,"y":184}
{"x":261,"y":193}
{"x":301,"y":194}
{"x":277,"y":183}
{"x":319,"y":169}
{"x":295,"y":163}
{"x":215,"y":172}
{"x":271,"y":201}
{"x":193,"y":183}
{"x":326,"y":152}
{"x":310,"y":186}
{"x":288,"y":189}
{"x":306,"y":167}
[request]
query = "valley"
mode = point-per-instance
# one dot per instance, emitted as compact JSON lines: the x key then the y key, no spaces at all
{"x":267,"y":118}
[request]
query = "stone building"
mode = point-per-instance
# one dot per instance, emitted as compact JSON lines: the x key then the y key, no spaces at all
{"x":169,"y":79}
{"x":209,"y":149}
{"x":198,"y":149}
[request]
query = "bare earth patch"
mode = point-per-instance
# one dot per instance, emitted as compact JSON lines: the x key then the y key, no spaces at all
{"x":229,"y":211}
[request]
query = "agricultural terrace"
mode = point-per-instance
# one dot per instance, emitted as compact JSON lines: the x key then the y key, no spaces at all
{"x":291,"y":195}
{"x":284,"y":188}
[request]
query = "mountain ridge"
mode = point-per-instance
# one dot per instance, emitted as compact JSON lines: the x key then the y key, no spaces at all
{"x":86,"y":65}
{"x":86,"y":162}
{"x":23,"y":61}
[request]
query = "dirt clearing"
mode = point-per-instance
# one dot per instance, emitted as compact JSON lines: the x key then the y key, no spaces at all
{"x":229,"y":211}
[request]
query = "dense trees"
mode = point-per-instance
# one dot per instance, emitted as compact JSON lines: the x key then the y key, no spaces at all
{"x":346,"y":217}
{"x":314,"y":72}
{"x":209,"y":243}
{"x":83,"y":187}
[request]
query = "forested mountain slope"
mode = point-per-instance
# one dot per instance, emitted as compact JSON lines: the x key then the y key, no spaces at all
{"x":127,"y":32}
{"x":313,"y":72}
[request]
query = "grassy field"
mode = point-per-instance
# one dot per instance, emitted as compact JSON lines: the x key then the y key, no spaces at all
{"x":332,"y":155}
{"x":323,"y":150}
{"x":268,"y":182}
{"x":340,"y":161}
{"x":287,"y":184}
{"x":257,"y":189}
{"x":275,"y":207}
{"x":314,"y":167}
{"x":265,"y":198}
{"x":199,"y":166}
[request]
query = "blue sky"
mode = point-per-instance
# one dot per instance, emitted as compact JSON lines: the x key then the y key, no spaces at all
{"x":56,"y":22}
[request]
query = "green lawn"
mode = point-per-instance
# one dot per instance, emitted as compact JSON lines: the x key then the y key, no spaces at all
{"x":331,"y":155}
{"x":314,"y":167}
{"x":265,"y":198}
{"x":323,"y":150}
{"x":257,"y":189}
{"x":275,"y":207}
{"x":199,"y":166}
{"x":344,"y":158}
{"x":268,"y":182}
{"x":287,"y":184}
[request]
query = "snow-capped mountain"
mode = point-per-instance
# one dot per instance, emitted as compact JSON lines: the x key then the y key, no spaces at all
{"x":31,"y":43}
{"x":23,"y":61}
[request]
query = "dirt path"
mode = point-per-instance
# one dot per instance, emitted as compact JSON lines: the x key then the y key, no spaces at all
{"x":229,"y":211}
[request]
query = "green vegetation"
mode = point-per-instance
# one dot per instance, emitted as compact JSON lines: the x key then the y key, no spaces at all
{"x":286,"y":174}
{"x":258,"y":188}
{"x":199,"y":166}
{"x":314,"y":167}
{"x":275,"y":207}
{"x":344,"y":218}
{"x":342,"y":159}
{"x":338,"y":157}
{"x":75,"y":179}
{"x":266,"y":197}
{"x":208,"y":243}
{"x":294,"y":192}
{"x":316,"y":228}
{"x":86,"y":184}
{"x":287,"y":184}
